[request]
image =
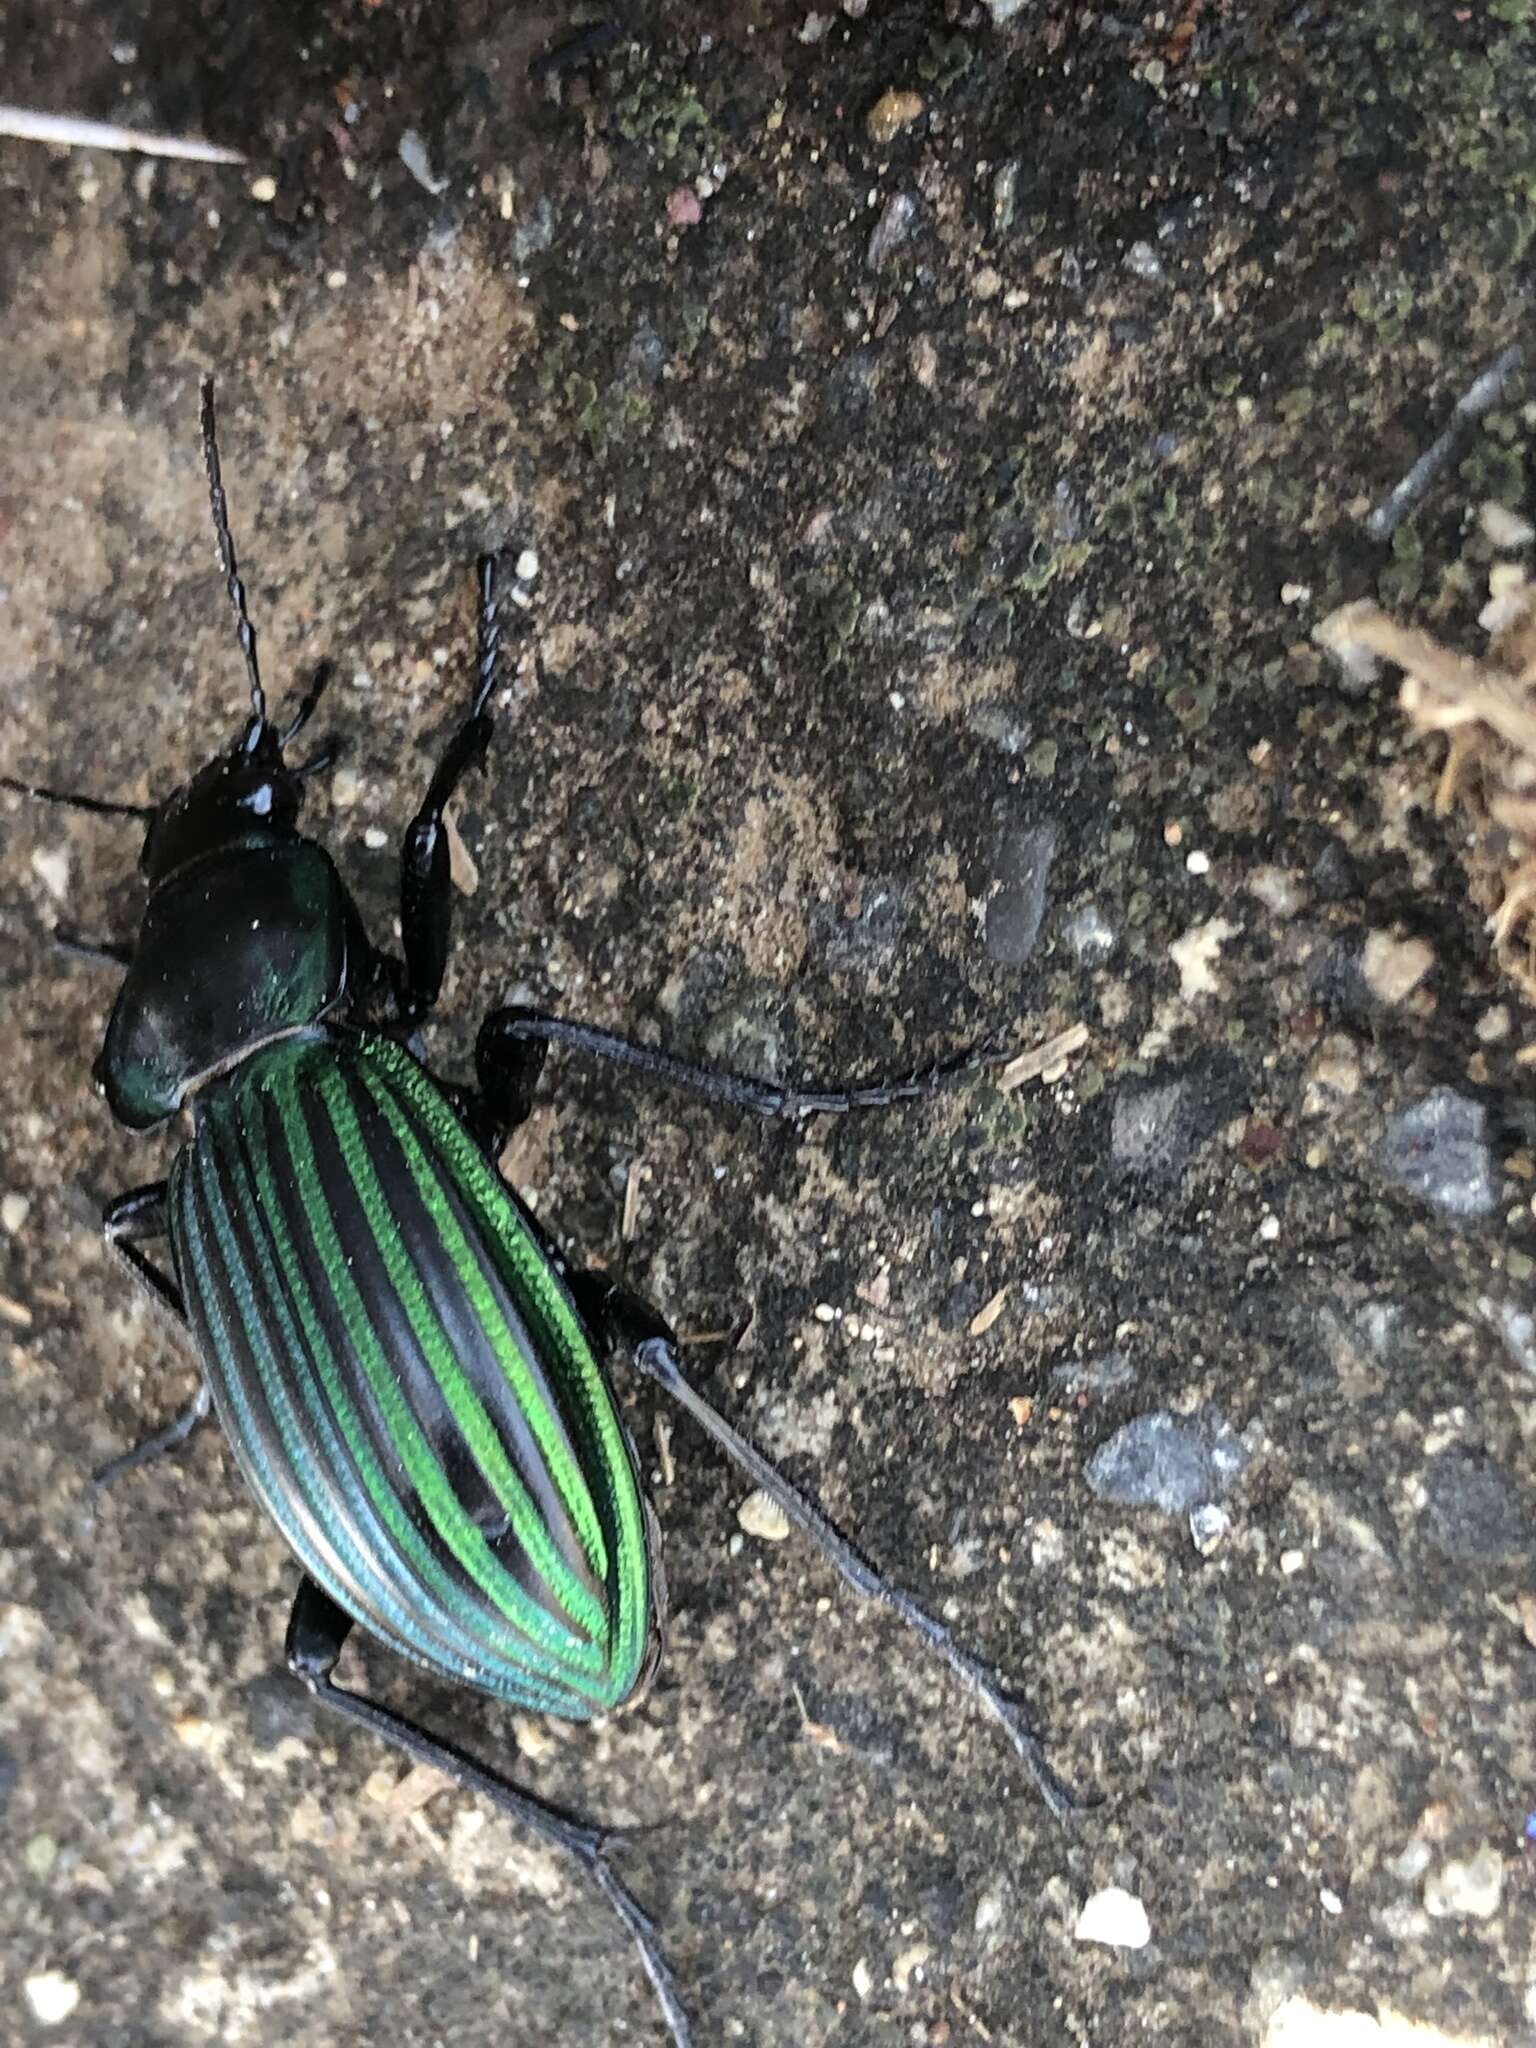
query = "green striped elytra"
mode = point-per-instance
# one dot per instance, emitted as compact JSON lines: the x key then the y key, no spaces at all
{"x":412,"y":1377}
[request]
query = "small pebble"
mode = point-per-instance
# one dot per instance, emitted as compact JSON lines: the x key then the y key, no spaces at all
{"x":1208,"y":1524}
{"x":52,"y":1997}
{"x":683,"y":207}
{"x":263,"y":190}
{"x":1115,"y":1917}
{"x":413,"y":154}
{"x":1090,"y":934}
{"x":1467,"y":1889}
{"x":890,"y":230}
{"x":1438,"y":1149}
{"x":1165,"y":1461}
{"x":14,"y":1211}
{"x":375,"y":837}
{"x":526,"y":567}
{"x":892,"y":112}
{"x":51,"y":867}
{"x":1506,"y":529}
{"x":761,"y":1516}
{"x":1394,"y":967}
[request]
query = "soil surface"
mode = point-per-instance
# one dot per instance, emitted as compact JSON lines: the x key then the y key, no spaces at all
{"x":939,"y":428}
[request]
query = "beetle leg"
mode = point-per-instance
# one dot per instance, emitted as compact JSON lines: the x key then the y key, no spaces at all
{"x":653,"y":1350}
{"x":138,"y":1214}
{"x":505,"y":1032}
{"x":426,"y":899}
{"x":317,"y":1630}
{"x":112,"y":952}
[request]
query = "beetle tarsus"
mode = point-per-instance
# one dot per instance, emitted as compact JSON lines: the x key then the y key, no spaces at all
{"x":653,"y":1350}
{"x":317,"y":1632}
{"x":174,"y":1434}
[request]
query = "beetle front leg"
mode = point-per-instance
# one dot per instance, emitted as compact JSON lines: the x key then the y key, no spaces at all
{"x":505,"y":1034}
{"x":317,"y":1630}
{"x":130,"y":1217}
{"x":654,"y":1352}
{"x":426,"y":899}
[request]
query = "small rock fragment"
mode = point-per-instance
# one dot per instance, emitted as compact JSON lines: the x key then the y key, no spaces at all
{"x":1394,"y":967}
{"x":1506,"y":529}
{"x":1208,"y":1524}
{"x":890,"y":230}
{"x":1516,"y":1324}
{"x":892,"y":112}
{"x":413,"y":154}
{"x":1472,"y":1511}
{"x":1090,"y":934}
{"x":983,"y":1320}
{"x":52,"y":1997}
{"x":1195,"y":956}
{"x":683,"y":207}
{"x":1115,"y":1917}
{"x":1021,"y":868}
{"x":1438,"y":1149}
{"x":1165,"y":1461}
{"x":1466,"y":1889}
{"x":1142,"y":260}
{"x":1110,"y":1373}
{"x":761,"y":1516}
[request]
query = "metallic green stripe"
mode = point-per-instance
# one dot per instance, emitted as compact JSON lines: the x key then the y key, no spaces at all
{"x":465,"y":1405}
{"x":547,"y":1427}
{"x":509,"y":1237}
{"x":464,"y":1540}
{"x":338,"y":1435}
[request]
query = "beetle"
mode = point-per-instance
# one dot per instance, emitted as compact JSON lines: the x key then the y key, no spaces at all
{"x":413,"y":1378}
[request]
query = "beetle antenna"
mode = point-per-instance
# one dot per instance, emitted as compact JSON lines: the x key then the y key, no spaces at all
{"x":488,"y":659}
{"x":101,"y":806}
{"x":216,"y":498}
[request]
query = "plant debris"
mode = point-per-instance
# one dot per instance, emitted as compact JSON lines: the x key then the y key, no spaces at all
{"x":1486,"y":707}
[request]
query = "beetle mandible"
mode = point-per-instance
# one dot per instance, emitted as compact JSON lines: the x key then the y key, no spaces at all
{"x":412,"y":1378}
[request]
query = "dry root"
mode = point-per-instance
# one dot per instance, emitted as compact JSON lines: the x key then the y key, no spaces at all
{"x":1486,"y":707}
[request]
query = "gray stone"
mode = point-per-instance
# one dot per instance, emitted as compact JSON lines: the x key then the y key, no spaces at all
{"x":1438,"y":1148}
{"x":1168,"y":1461}
{"x":1016,"y":907}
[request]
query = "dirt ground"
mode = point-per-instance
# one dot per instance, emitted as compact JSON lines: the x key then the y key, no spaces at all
{"x":939,"y":436}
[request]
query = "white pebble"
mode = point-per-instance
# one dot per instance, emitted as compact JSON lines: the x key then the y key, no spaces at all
{"x":1506,"y":529}
{"x":52,"y":1997}
{"x":1198,"y":863}
{"x":1466,"y":1888}
{"x":51,"y":867}
{"x":527,"y":565}
{"x":1115,"y":1917}
{"x":761,"y":1516}
{"x":263,"y":190}
{"x":14,"y":1211}
{"x":375,"y":837}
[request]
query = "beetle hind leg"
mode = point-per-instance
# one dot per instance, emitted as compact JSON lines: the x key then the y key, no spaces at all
{"x":512,"y":1035}
{"x":317,"y":1631}
{"x":654,"y":1353}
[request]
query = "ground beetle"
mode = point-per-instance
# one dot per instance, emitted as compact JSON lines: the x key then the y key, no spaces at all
{"x":411,"y":1376}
